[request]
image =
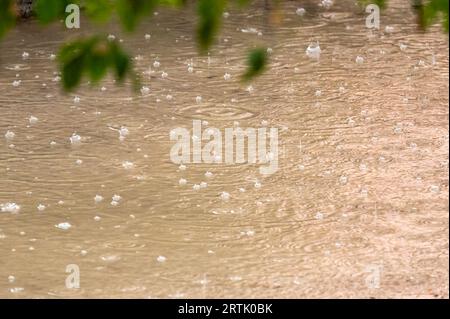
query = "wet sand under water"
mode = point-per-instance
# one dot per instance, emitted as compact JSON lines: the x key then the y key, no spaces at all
{"x":358,"y":207}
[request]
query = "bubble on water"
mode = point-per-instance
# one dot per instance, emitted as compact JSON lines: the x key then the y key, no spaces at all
{"x":249,"y":232}
{"x":41,"y":207}
{"x":190,"y":69}
{"x":226,"y":14}
{"x":97,"y":218}
{"x":318,"y":93}
{"x":161,"y":259}
{"x":313,"y":51}
{"x":435,"y":189}
{"x":110,"y":258}
{"x":156,"y":64}
{"x":403,"y":46}
{"x":359,"y":60}
{"x":208,"y":174}
{"x":16,"y":290}
{"x":145,"y":90}
{"x":203,"y":184}
{"x":75,"y":139}
{"x":79,"y":161}
{"x":364,"y":192}
{"x":63,"y":225}
{"x":343,"y":179}
{"x":147,"y":37}
{"x":351,"y":121}
{"x":225,"y":196}
{"x":242,"y":189}
{"x":25,"y":55}
{"x":198,"y":99}
{"x":319,"y":216}
{"x":388,"y":29}
{"x":363,"y":167}
{"x":164,"y":75}
{"x":98,"y":198}
{"x":52,"y":57}
{"x":182,"y":167}
{"x":300,"y":12}
{"x":16,"y":83}
{"x":33,"y":119}
{"x":235,"y":278}
{"x":127,"y":165}
{"x":269,"y":50}
{"x":9,"y":135}
{"x":326,"y":3}
{"x":257,"y":184}
{"x":76,"y":99}
{"x":196,"y":187}
{"x":182,"y":182}
{"x":11,"y":279}
{"x":10,"y":208}
{"x":169,"y":97}
{"x":83,"y":252}
{"x":116,"y":198}
{"x":123,"y":132}
{"x":111,"y":37}
{"x":227,"y":76}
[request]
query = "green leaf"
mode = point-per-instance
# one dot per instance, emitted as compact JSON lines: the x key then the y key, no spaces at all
{"x":131,"y":11}
{"x":7,"y":16}
{"x":429,"y":12}
{"x":256,"y":63}
{"x":122,"y":62}
{"x":72,"y":72}
{"x":98,"y":60}
{"x":92,"y":56}
{"x":210,"y":15}
{"x":380,"y":3}
{"x":50,"y":10}
{"x":99,"y":10}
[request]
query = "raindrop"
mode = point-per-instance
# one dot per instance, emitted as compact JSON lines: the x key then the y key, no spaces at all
{"x":313,"y":51}
{"x":63,"y":226}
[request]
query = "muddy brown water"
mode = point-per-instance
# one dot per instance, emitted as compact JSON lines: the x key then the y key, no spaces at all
{"x":357,"y":208}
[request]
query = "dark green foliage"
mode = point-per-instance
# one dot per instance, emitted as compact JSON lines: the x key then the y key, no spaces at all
{"x":93,"y":56}
{"x":50,"y":10}
{"x":256,"y":63}
{"x":131,"y":11}
{"x":429,"y":11}
{"x":99,"y":10}
{"x":210,"y":17}
{"x":380,"y":3}
{"x":7,"y":16}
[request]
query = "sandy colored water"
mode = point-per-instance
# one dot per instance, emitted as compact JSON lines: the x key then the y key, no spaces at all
{"x":358,"y":207}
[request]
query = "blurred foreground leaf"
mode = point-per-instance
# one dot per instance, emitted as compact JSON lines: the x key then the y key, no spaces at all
{"x":131,"y":11}
{"x":50,"y":10}
{"x":210,"y":17}
{"x":94,"y":57}
{"x":7,"y":16}
{"x":380,"y":3}
{"x":99,"y":10}
{"x":256,"y":63}
{"x":429,"y":12}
